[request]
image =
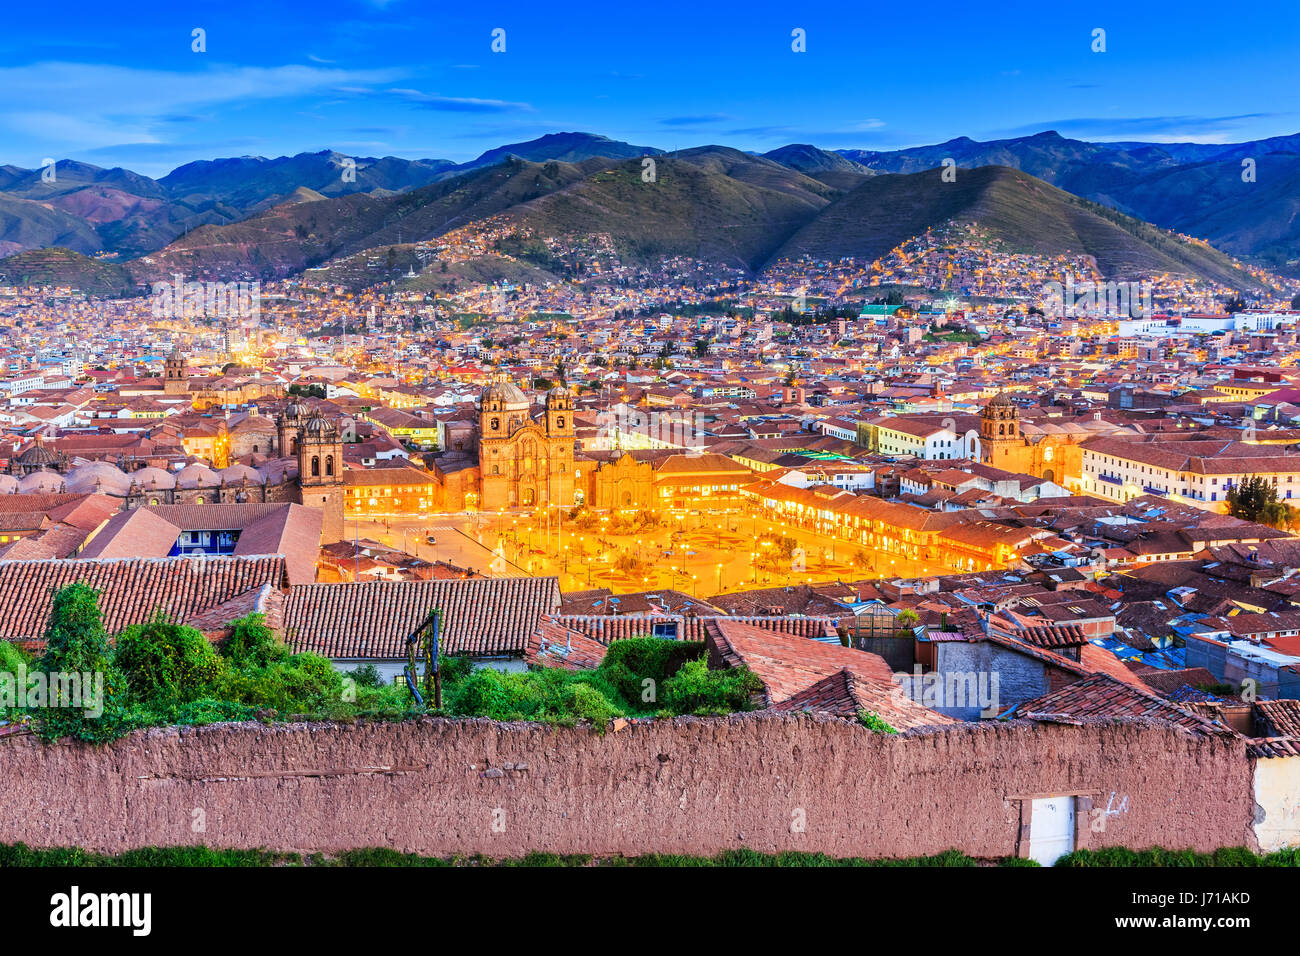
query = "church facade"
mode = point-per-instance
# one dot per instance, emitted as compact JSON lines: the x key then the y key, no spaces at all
{"x":524,"y":463}
{"x":1006,"y":443}
{"x":208,"y":392}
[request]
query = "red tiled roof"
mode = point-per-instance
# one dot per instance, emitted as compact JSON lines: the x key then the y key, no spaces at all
{"x":787,"y":665}
{"x":845,"y":693}
{"x":1266,"y":747}
{"x":606,"y":628}
{"x":131,"y":589}
{"x":1281,"y":717}
{"x":480,"y":616}
{"x":555,"y":645}
{"x":1104,"y":696}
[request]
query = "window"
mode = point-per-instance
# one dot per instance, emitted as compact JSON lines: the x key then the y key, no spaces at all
{"x":315,"y":466}
{"x":329,"y":464}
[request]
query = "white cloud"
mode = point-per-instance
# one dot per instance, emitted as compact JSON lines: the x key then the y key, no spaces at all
{"x":79,"y":104}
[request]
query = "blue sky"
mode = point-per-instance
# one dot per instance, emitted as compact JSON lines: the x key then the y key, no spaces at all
{"x":119,"y":85}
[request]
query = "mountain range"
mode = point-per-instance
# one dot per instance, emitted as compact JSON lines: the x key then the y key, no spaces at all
{"x":253,"y":216}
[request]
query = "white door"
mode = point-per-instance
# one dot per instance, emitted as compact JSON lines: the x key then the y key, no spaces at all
{"x":1051,"y":829}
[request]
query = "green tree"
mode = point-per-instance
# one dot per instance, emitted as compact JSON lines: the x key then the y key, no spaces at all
{"x":165,"y":662}
{"x":1255,"y":499}
{"x":77,"y":654}
{"x":906,"y":621}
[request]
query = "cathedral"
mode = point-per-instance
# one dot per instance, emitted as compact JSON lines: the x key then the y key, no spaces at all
{"x":510,"y":459}
{"x":208,"y":392}
{"x":1047,"y":448}
{"x":522,"y":462}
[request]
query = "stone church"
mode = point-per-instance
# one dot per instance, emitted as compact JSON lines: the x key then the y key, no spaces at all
{"x":1047,"y":449}
{"x":224,"y":391}
{"x":509,"y":459}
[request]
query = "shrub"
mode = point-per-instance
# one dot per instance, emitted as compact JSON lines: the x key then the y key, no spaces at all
{"x":297,"y":684}
{"x":13,"y":659}
{"x":629,"y":663}
{"x":874,"y":723}
{"x":167,"y":662}
{"x":252,"y":642}
{"x":367,"y":675}
{"x":547,"y":694}
{"x":76,"y":644}
{"x":695,"y":689}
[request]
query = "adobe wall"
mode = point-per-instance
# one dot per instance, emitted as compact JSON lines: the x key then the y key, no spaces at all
{"x":688,"y":785}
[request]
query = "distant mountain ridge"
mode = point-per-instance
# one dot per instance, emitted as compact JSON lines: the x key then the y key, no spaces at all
{"x":259,"y":216}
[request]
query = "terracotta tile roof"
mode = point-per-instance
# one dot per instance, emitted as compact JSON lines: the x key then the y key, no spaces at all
{"x":1167,"y":682}
{"x":606,"y":628}
{"x":133,"y":534}
{"x":846,"y":692}
{"x":554,"y":645}
{"x":787,"y":665}
{"x":1266,"y":747}
{"x":216,"y":517}
{"x":598,"y":601}
{"x":1281,"y":718}
{"x":276,"y":528}
{"x":216,"y":620}
{"x":1104,"y":696}
{"x":402,"y":476}
{"x":130,"y":589}
{"x":84,"y":511}
{"x":371,"y":620}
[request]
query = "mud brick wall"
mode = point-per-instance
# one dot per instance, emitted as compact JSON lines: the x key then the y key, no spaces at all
{"x":690,"y":785}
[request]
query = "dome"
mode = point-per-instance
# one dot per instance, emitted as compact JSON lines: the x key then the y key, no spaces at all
{"x":507,"y":393}
{"x":41,"y":483}
{"x":197,"y":476}
{"x":1001,"y":398}
{"x":295,"y":410}
{"x":560,"y":391}
{"x":8,"y":485}
{"x":239,"y":473}
{"x":38,"y":455}
{"x":100,"y":477}
{"x":320,"y":427}
{"x":151,"y":478}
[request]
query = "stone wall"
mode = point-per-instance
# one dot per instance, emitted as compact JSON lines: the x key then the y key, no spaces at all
{"x":690,"y":785}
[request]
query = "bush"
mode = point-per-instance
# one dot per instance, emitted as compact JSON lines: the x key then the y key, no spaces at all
{"x":77,"y":645}
{"x":13,"y":657}
{"x":695,"y":689}
{"x":367,"y":675}
{"x":547,"y":694}
{"x":874,"y":722}
{"x":167,"y":662}
{"x":629,"y":663}
{"x":251,"y":642}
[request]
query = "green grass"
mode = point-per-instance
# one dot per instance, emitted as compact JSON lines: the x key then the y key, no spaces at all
{"x":1235,"y":856}
{"x":19,"y":854}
